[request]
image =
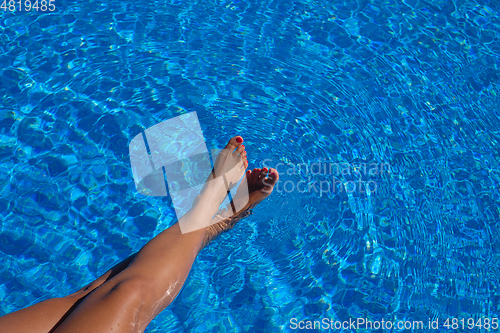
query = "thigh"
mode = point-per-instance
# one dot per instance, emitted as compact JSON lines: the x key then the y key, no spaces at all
{"x":39,"y":318}
{"x":121,"y":305}
{"x":46,"y":316}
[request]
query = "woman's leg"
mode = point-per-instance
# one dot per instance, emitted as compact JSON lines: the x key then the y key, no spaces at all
{"x":130,"y":300}
{"x":46,"y":316}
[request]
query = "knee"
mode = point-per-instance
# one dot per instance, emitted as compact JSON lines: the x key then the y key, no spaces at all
{"x":132,"y":286}
{"x":134,"y":289}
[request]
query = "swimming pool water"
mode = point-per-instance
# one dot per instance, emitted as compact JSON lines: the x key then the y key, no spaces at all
{"x":411,"y":86}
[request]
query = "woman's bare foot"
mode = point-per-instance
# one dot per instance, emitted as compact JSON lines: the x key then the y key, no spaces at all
{"x":229,"y":167}
{"x":260,"y":186}
{"x":231,"y":162}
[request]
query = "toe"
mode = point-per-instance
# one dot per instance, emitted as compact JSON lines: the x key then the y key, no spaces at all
{"x":234,"y":142}
{"x":273,"y":173}
{"x":253,"y":175}
{"x":240,"y":150}
{"x":263,"y":172}
{"x":273,"y":177}
{"x":256,"y":174}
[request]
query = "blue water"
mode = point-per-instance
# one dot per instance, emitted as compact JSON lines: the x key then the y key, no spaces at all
{"x":411,"y":86}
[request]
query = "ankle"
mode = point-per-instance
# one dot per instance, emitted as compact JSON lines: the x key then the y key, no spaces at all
{"x":214,"y":190}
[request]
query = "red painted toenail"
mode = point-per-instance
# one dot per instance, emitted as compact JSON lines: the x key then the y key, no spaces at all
{"x":264,"y":169}
{"x":239,"y":140}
